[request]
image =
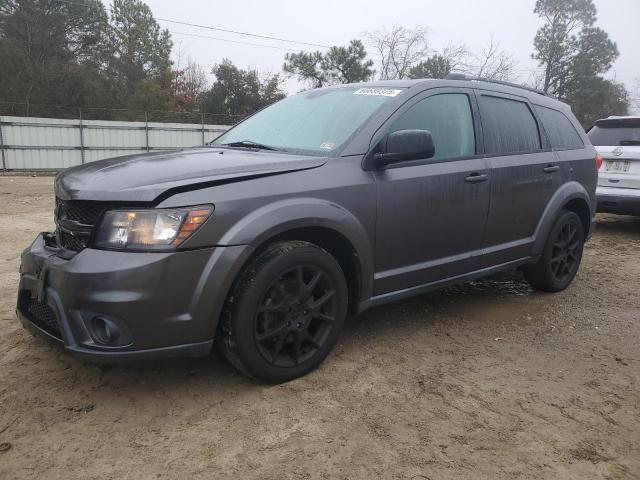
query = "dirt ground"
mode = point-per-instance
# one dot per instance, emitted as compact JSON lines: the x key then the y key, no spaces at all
{"x":486,"y":380}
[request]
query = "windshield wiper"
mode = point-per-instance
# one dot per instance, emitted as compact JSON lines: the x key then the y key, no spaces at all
{"x":629,"y":143}
{"x":248,"y":144}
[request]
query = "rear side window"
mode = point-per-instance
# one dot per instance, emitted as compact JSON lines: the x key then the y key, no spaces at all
{"x":508,"y":126}
{"x":448,"y":117}
{"x":561,"y":131}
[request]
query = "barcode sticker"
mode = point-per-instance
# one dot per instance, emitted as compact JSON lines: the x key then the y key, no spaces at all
{"x":378,"y":92}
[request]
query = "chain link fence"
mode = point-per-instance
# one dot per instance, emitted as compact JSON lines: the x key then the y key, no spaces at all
{"x":50,"y":137}
{"x":20,"y":109}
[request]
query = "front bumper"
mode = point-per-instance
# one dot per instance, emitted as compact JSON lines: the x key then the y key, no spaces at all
{"x":157,"y":305}
{"x":624,"y":201}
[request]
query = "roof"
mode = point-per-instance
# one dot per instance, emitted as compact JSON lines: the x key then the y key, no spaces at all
{"x":454,"y":79}
{"x":622,"y":117}
{"x":615,"y":120}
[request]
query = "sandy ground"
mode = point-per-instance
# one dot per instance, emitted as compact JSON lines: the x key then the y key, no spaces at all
{"x":485,"y":380}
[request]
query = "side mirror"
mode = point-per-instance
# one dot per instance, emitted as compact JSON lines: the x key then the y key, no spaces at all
{"x":404,"y":145}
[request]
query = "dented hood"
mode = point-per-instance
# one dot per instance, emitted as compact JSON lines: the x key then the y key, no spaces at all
{"x":145,"y":177}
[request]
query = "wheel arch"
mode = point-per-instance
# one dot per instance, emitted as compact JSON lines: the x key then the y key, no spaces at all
{"x":320,"y":222}
{"x":581,"y":208}
{"x":317,"y":221}
{"x":570,"y":196}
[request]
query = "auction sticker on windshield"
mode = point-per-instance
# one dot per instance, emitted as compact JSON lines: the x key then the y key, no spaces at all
{"x":378,"y":92}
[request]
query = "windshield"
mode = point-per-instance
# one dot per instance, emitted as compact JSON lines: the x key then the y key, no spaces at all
{"x":317,"y":121}
{"x":614,"y":136}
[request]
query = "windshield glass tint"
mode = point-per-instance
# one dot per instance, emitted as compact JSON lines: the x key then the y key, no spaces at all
{"x":314,"y":121}
{"x":610,"y":136}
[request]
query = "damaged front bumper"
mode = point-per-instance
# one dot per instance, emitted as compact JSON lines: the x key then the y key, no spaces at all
{"x":109,"y":306}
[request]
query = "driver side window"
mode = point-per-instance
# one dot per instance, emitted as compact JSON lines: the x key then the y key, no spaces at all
{"x":448,"y":117}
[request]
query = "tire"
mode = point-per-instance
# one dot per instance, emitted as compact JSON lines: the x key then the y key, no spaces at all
{"x":561,"y":255}
{"x":285,"y":312}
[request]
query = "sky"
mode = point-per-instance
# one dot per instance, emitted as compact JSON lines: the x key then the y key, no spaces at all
{"x":334,"y":22}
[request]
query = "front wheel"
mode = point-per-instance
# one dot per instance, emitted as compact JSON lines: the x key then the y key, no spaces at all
{"x":285,"y":312}
{"x":561,"y":255}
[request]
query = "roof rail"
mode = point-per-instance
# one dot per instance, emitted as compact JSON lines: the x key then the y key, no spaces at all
{"x":462,"y":76}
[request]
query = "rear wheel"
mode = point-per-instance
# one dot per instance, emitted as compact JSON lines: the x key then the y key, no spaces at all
{"x":561,"y":256}
{"x":285,"y":312}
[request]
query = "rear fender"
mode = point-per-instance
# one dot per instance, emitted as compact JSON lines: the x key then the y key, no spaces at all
{"x":565,"y":194}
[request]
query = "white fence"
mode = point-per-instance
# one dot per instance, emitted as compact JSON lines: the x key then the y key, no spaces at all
{"x":28,"y":143}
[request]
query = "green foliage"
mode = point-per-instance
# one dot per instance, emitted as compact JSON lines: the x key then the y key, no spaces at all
{"x":574,"y":55}
{"x":137,"y":49}
{"x":307,"y":67}
{"x":46,"y":47}
{"x":339,"y":65}
{"x":595,"y":97}
{"x":149,"y":95}
{"x":436,"y":66}
{"x":79,"y":55}
{"x":75,"y":54}
{"x":239,"y":92}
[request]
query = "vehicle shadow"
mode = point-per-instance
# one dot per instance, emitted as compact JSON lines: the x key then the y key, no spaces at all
{"x":619,"y":224}
{"x":495,"y":300}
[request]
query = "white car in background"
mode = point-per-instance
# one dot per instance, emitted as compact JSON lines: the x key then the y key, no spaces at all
{"x":617,"y":140}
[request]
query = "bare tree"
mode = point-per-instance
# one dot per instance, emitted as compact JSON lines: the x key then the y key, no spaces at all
{"x":399,"y":49}
{"x":492,"y":62}
{"x":536,"y":79}
{"x":195,"y":78}
{"x":456,"y":55}
{"x":189,"y":83}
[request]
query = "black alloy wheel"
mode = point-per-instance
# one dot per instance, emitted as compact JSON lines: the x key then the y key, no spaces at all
{"x":285,"y":312}
{"x":296,"y":316}
{"x":561,"y":255}
{"x":566,"y":252}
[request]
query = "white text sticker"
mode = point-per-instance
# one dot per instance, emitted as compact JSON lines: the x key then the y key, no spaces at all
{"x":328,"y":146}
{"x":379,"y":92}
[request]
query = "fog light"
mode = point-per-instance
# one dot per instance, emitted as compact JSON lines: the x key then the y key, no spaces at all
{"x":104,"y":330}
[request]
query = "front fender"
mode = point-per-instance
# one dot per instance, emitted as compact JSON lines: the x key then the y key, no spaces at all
{"x":241,"y":239}
{"x":565,"y":194}
{"x":281,"y":216}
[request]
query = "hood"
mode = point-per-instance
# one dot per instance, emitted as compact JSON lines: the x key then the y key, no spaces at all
{"x":145,"y":177}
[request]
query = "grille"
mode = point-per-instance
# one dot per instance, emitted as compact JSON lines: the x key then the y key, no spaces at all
{"x":75,"y":220}
{"x":41,"y":314}
{"x":71,"y":242}
{"x":86,"y":213}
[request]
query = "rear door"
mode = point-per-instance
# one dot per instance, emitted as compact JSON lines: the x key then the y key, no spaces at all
{"x":525,"y":173}
{"x":432,"y":213}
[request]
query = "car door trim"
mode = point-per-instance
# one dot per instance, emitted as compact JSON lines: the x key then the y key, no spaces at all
{"x":427,"y":287}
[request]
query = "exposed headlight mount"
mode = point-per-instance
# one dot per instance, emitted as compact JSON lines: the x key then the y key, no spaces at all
{"x":149,"y":229}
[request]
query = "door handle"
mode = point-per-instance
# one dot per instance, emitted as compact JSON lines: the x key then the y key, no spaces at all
{"x":551,"y":168}
{"x":477,"y":178}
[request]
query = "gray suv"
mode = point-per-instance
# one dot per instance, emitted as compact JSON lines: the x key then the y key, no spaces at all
{"x":324,"y":204}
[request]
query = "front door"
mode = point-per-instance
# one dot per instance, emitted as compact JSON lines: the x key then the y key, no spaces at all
{"x":431,"y":213}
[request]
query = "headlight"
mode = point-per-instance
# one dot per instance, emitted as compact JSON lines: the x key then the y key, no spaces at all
{"x":153,"y":229}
